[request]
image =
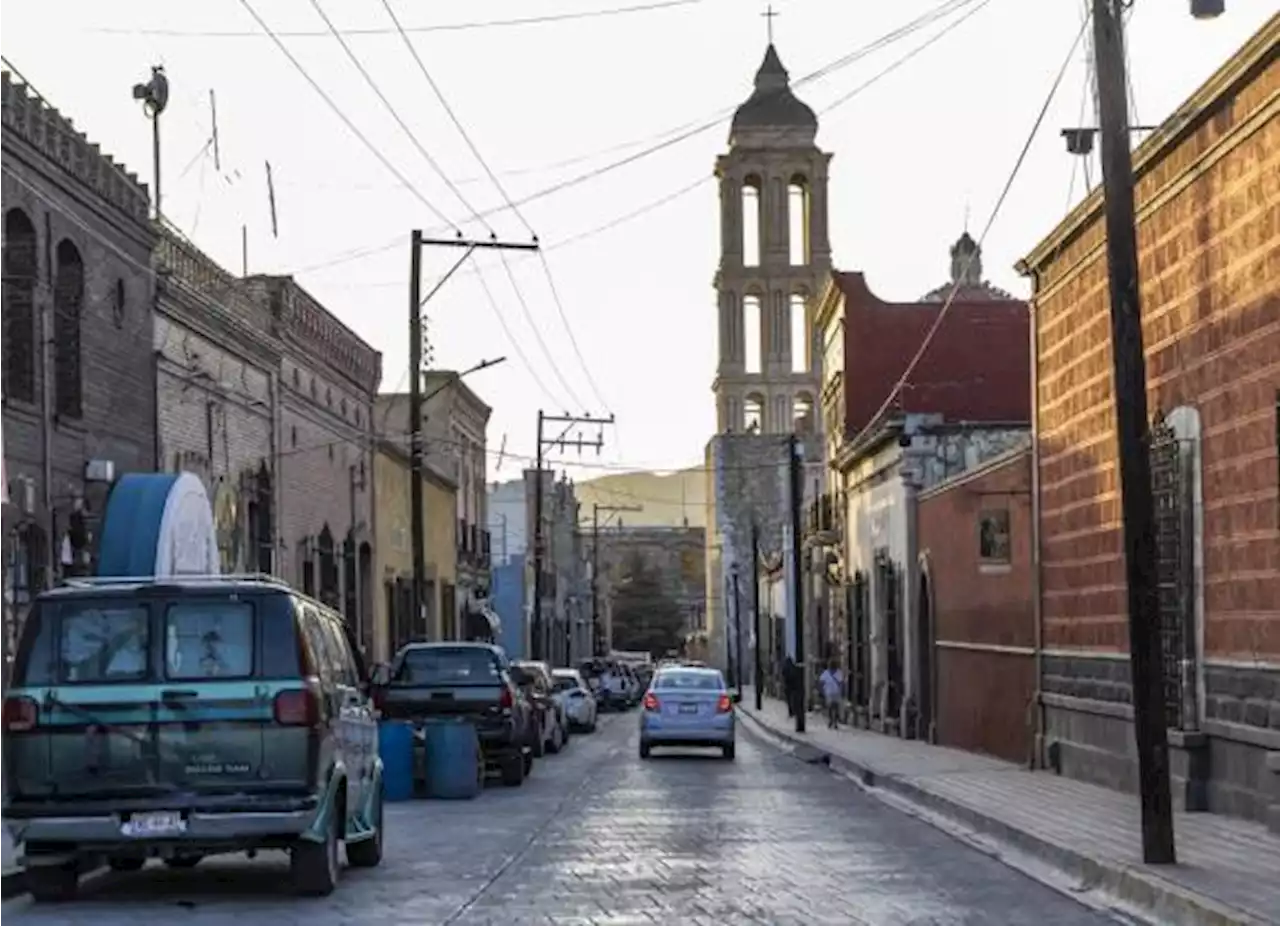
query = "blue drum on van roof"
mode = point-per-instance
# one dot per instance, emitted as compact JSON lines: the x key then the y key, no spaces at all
{"x":158,"y":524}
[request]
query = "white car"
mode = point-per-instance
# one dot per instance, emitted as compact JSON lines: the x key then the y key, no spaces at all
{"x":576,"y":698}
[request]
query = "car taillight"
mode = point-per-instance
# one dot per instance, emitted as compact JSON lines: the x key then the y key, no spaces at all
{"x":379,"y":697}
{"x":298,"y":707}
{"x":506,"y":700}
{"x":20,"y":714}
{"x":724,"y":705}
{"x":651,"y":702}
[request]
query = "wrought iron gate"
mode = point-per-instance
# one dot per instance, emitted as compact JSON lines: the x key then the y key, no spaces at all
{"x":1171,"y":492}
{"x":890,"y":595}
{"x":858,"y":639}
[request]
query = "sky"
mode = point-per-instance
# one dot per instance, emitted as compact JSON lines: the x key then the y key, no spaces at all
{"x":621,"y":317}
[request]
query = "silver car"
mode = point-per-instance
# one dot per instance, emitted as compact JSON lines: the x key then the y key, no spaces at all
{"x":687,"y":707}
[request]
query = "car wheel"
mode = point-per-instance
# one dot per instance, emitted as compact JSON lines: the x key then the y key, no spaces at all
{"x":367,"y":853}
{"x":644,"y":749}
{"x":528,"y":764}
{"x":514,"y":768}
{"x":539,"y":745}
{"x":729,"y":752}
{"x":52,"y":883}
{"x":591,"y":727}
{"x":556,"y":741}
{"x":314,"y":866}
{"x":125,"y":864}
{"x":183,"y":861}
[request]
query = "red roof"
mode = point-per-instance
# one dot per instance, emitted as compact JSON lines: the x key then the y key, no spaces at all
{"x":977,"y":368}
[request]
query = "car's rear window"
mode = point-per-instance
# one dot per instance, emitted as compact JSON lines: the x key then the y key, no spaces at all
{"x":564,"y":683}
{"x":135,"y":638}
{"x":446,"y":666}
{"x":695,"y":681}
{"x":103,"y":643}
{"x":208,"y":639}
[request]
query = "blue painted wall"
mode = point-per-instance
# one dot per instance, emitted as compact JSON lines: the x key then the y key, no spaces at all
{"x":507,"y":599}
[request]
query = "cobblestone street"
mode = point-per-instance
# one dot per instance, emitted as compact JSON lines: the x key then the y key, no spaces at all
{"x":598,"y":836}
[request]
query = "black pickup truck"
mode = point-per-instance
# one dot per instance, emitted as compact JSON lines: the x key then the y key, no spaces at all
{"x":471,"y":680}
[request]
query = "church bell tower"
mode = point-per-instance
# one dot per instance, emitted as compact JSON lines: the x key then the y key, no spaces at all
{"x":775,"y":256}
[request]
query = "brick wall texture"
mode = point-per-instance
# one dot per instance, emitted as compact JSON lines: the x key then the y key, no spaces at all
{"x":983,"y":615}
{"x":1209,"y":243}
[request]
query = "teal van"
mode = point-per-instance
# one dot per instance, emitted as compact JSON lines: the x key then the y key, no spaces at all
{"x":186,"y":717}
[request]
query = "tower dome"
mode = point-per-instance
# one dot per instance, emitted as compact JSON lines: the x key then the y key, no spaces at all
{"x":772,"y":105}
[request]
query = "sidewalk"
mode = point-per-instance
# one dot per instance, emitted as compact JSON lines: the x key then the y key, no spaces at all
{"x":1228,"y":871}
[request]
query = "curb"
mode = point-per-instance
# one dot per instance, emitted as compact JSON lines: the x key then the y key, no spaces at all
{"x":1154,"y":896}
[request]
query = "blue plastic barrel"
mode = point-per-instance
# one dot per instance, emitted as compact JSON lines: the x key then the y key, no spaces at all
{"x":455,"y":769}
{"x":395,"y":747}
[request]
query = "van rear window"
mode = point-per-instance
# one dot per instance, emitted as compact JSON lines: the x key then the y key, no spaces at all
{"x":103,"y":644}
{"x":208,"y":639}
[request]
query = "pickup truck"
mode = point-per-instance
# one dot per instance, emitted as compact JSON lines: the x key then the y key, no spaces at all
{"x":471,"y":680}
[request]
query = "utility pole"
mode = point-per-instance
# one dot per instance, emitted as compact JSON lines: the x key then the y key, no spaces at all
{"x":417,"y":526}
{"x":537,"y":643}
{"x":1146,"y":656}
{"x":794,"y":452}
{"x":755,"y":614}
{"x":595,"y":564}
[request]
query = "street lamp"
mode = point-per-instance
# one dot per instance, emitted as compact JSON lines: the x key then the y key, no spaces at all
{"x":154,"y":95}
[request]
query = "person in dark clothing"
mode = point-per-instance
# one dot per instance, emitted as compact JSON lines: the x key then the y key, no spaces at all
{"x":789,"y":685}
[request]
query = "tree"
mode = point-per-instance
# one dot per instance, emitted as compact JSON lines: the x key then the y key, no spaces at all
{"x":645,"y":615}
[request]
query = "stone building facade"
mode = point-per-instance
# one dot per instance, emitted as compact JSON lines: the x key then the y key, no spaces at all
{"x":1208,"y":214}
{"x":678,"y":554}
{"x":78,"y":388}
{"x":217,"y":392}
{"x":328,"y":378}
{"x":774,"y":257}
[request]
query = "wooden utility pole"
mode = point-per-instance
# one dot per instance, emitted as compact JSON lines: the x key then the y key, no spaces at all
{"x":794,"y":453}
{"x":539,"y":646}
{"x":1146,"y":657}
{"x":417,"y":463}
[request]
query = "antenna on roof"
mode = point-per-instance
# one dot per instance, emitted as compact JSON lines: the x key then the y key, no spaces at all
{"x":213,"y":109}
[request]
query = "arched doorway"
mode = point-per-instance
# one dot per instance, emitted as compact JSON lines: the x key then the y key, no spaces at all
{"x":925,"y":664}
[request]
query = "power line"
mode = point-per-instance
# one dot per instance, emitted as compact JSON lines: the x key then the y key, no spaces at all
{"x":404,"y":126}
{"x":438,"y":27}
{"x":484,"y":164}
{"x":537,"y":334}
{"x":511,"y":338}
{"x":875,"y":420}
{"x":337,"y":110}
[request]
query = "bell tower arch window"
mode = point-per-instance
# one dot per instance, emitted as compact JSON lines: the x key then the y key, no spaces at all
{"x":800,"y":346}
{"x":68,"y":302}
{"x":802,"y":414}
{"x":753,"y":414}
{"x":798,"y":221}
{"x":752,"y":203}
{"x":752,"y":335}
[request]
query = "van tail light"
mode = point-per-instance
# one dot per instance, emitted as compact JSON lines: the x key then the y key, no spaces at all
{"x":506,"y":700}
{"x":20,"y":714}
{"x":651,"y":702}
{"x":297,"y":707}
{"x":379,"y":696}
{"x":724,"y":705}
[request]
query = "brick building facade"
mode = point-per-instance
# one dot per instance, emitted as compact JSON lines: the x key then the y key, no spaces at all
{"x":79,"y":405}
{"x":1208,"y":210}
{"x":217,"y":363}
{"x":328,"y":378}
{"x":974,"y":534}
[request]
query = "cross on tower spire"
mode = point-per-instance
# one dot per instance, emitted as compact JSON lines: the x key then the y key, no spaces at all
{"x":768,"y":15}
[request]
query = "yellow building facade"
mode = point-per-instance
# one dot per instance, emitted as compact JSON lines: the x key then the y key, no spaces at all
{"x":394,"y":623}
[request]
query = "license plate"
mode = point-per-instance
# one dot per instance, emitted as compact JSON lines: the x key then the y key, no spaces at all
{"x":688,"y":708}
{"x":164,"y":823}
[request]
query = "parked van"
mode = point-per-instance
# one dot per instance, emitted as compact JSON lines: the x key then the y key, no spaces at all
{"x":183,"y":717}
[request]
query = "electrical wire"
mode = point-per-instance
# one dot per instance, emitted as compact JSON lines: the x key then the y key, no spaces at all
{"x":337,"y":110}
{"x":877,"y":419}
{"x":484,"y":164}
{"x":439,"y":27}
{"x":537,"y":334}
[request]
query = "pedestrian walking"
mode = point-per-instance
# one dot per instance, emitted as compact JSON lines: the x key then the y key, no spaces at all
{"x":832,"y":682}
